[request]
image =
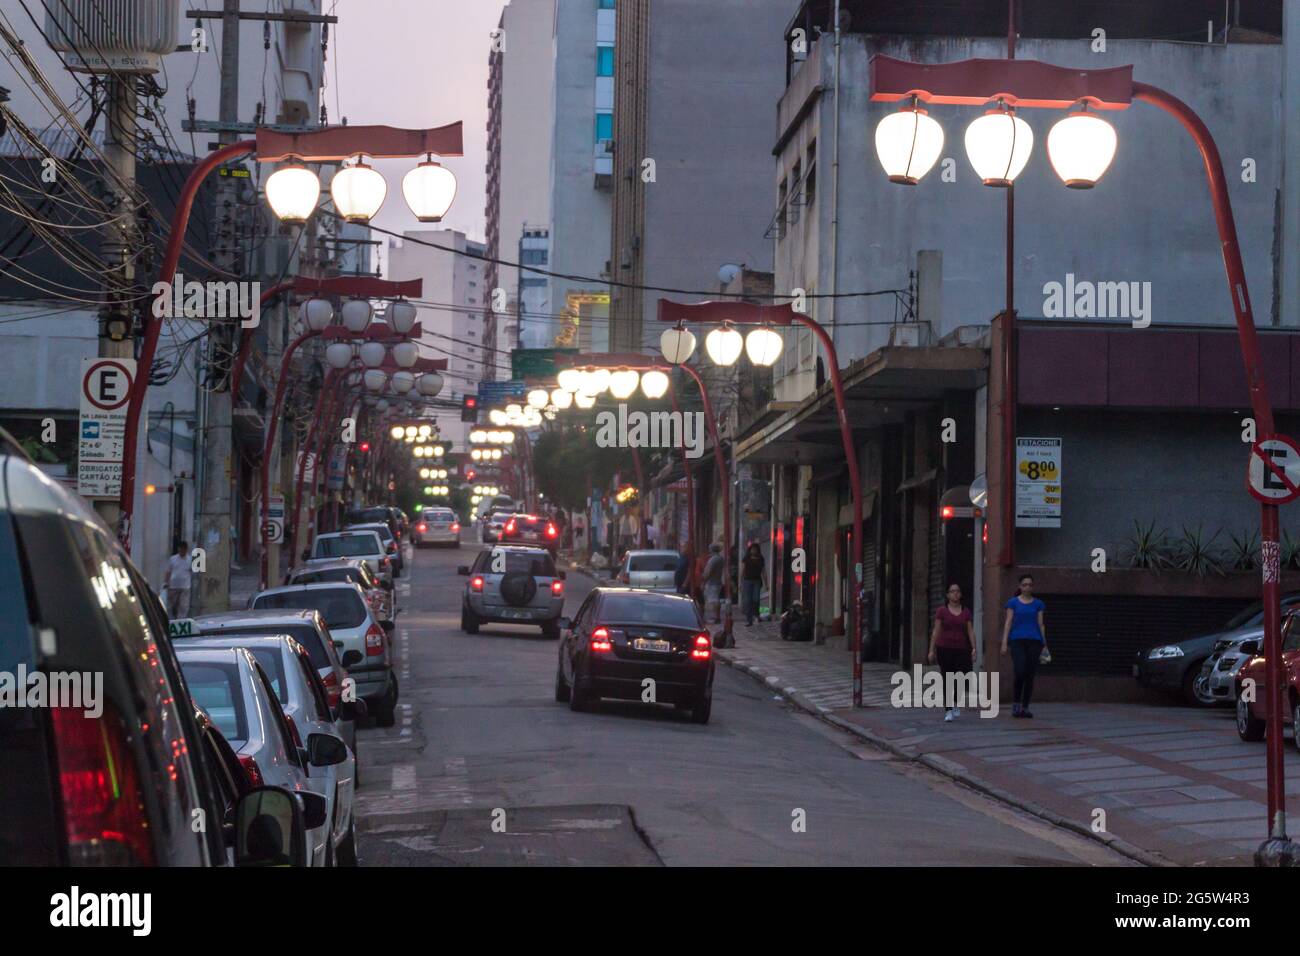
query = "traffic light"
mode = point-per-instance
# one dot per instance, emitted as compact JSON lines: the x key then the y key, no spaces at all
{"x":469,"y":408}
{"x":365,"y":447}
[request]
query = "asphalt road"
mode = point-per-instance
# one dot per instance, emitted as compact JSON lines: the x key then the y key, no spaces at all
{"x":485,"y":768}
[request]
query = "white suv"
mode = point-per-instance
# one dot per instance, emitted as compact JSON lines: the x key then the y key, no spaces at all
{"x":356,"y":544}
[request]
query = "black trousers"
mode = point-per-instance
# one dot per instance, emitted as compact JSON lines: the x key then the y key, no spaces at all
{"x":1024,"y":658}
{"x":952,"y":660}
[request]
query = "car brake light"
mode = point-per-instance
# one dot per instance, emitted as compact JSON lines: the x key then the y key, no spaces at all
{"x":252,"y":769}
{"x":625,"y":577}
{"x":374,"y":640}
{"x":550,"y":530}
{"x":476,"y":584}
{"x":392,"y":546}
{"x":455,"y":526}
{"x":422,"y":527}
{"x":332,"y":691}
{"x":600,"y":640}
{"x":383,"y":562}
{"x":510,"y":526}
{"x":103,"y":804}
{"x":702,"y":649}
{"x":293,"y":732}
{"x":557,"y":586}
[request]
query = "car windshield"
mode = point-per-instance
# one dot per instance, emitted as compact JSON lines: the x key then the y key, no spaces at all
{"x":368,"y":516}
{"x":652,"y":562}
{"x":216,"y":689}
{"x":645,"y":609}
{"x":341,"y":607}
{"x":384,"y":532}
{"x":348,"y":546}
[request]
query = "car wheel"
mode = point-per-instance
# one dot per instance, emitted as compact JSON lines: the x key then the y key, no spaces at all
{"x":551,"y":631}
{"x":561,"y":688}
{"x":347,"y":855}
{"x":578,"y":700}
{"x":700,"y":712}
{"x":468,"y":621}
{"x":1201,"y":691}
{"x":1189,"y":683}
{"x":1249,"y":727}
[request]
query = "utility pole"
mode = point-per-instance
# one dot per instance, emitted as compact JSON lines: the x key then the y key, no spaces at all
{"x":215,"y":497}
{"x":121,"y":245}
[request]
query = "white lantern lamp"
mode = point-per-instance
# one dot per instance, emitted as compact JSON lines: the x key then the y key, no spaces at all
{"x":401,"y":316}
{"x":356,"y":315}
{"x":316,"y":314}
{"x":998,"y":145}
{"x":763,"y":346}
{"x":654,"y":383}
{"x":623,"y":383}
{"x":338,"y":355}
{"x":1081,"y":147}
{"x":358,"y":192}
{"x":429,"y":190}
{"x":405,"y":354}
{"x":429,"y":384}
{"x":373,"y":353}
{"x":724,"y":345}
{"x":292,"y":191}
{"x":908,"y":144}
{"x":677,"y":345}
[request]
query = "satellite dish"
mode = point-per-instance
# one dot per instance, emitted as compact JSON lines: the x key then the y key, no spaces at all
{"x":727,"y":274}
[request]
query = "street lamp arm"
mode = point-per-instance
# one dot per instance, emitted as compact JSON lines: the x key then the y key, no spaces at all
{"x":737,"y":313}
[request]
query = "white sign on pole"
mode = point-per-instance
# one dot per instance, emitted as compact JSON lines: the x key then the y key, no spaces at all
{"x":105,"y":390}
{"x":275,"y":519}
{"x":1277,"y":481}
{"x":1038,"y":482}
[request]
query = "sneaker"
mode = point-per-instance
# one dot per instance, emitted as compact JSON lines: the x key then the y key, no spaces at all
{"x":1026,"y":713}
{"x":1015,"y":710}
{"x":956,"y":712}
{"x":948,"y":715}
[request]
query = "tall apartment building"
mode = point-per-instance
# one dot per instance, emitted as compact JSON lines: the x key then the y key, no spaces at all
{"x":533,"y":321}
{"x":520,"y":102}
{"x":453,"y":313}
{"x":580,"y":176}
{"x":697,"y":86}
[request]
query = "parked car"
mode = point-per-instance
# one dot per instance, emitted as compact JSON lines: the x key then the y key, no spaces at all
{"x":531,"y":529}
{"x":648,"y":570}
{"x":1175,"y":668}
{"x":301,"y":696}
{"x":620,"y":637}
{"x":1217,"y":682}
{"x":318,"y":571}
{"x":437,"y":526}
{"x":352,"y":622}
{"x":375,"y":513}
{"x":306,"y":626}
{"x":525,"y":589}
{"x":392,"y":545}
{"x":1252,"y":709}
{"x":233,"y":690}
{"x":366,"y":545}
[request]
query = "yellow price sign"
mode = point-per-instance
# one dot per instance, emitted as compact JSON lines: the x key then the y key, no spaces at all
{"x":1045,"y":470}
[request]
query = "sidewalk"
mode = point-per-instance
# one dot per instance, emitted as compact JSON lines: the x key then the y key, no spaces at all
{"x":1176,"y":784}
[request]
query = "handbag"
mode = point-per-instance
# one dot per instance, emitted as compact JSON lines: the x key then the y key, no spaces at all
{"x":1045,"y":657}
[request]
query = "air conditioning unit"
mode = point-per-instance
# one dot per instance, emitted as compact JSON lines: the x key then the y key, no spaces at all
{"x":104,"y":36}
{"x":910,"y":334}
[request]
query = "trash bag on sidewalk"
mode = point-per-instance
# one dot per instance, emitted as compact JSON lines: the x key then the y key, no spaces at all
{"x":796,"y":624}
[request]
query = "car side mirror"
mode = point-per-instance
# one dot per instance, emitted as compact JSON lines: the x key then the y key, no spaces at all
{"x":271,"y":828}
{"x":352,"y":658}
{"x":463,"y":570}
{"x":325,"y":750}
{"x":566,"y":624}
{"x":388,"y":626}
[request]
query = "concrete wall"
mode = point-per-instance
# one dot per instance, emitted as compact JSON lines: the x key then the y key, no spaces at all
{"x":1149,"y":219}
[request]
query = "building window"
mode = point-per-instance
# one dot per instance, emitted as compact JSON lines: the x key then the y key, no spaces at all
{"x":606,"y":4}
{"x":604,"y":126}
{"x":533,"y":257}
{"x":810,"y":183}
{"x":604,"y":61}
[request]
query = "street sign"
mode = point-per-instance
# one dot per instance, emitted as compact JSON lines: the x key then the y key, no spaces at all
{"x":1038,"y":482}
{"x":496,"y":394}
{"x":105,"y":389}
{"x":1273,"y":474}
{"x":536,"y":363}
{"x":274,"y":527}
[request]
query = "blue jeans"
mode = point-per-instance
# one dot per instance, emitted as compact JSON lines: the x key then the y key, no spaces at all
{"x":749,"y":595}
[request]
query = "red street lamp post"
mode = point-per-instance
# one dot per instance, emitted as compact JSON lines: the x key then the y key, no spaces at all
{"x":332,"y":144}
{"x":1029,"y":83}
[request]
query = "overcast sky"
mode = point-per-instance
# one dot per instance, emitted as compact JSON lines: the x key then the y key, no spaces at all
{"x":417,"y":63}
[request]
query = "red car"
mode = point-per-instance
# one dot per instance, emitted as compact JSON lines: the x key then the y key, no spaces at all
{"x":531,"y":529}
{"x":1252,"y":718}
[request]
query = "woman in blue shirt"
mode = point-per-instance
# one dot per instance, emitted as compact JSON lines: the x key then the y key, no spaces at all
{"x":1024,"y":634}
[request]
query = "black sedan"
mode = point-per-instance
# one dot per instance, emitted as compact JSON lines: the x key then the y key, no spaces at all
{"x":531,"y":529}
{"x":636,"y":645}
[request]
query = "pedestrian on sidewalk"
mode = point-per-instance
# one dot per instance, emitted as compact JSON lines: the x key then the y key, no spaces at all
{"x":682,"y":573}
{"x":952,"y":645}
{"x":751,"y":581}
{"x":1025,"y":635}
{"x":176,"y":582}
{"x":714,"y":569}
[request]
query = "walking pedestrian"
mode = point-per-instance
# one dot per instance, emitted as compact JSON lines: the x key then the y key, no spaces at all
{"x":751,"y":581}
{"x":682,"y":573}
{"x":714,"y":569}
{"x":176,"y":582}
{"x":952,"y":645}
{"x":1025,"y":634}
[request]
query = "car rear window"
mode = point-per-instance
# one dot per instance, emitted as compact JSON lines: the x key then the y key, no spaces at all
{"x":652,"y":562}
{"x":534,"y":565}
{"x":331,"y":575}
{"x":648,"y":609}
{"x":272,"y":662}
{"x":304,"y":634}
{"x":349,"y":546}
{"x":341,"y":607}
{"x":367,"y":515}
{"x":216,"y":688}
{"x":385,"y":533}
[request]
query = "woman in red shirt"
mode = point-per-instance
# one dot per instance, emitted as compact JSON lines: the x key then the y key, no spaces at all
{"x":952,"y":643}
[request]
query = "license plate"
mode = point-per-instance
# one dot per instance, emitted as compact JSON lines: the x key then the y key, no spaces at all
{"x":516,"y":615}
{"x":649,"y":644}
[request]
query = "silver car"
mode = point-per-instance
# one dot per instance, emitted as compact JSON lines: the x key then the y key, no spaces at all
{"x":650,"y":570}
{"x":355,"y":544}
{"x":510,"y":584}
{"x":438,"y":526}
{"x":354,"y":624}
{"x":1217,"y":682}
{"x":391,"y":545}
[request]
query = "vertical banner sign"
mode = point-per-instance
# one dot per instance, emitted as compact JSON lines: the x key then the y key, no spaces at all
{"x":1038,"y":482}
{"x":274,"y":529}
{"x":105,"y":387}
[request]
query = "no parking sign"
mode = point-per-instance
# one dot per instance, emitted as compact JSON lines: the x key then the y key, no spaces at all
{"x":1273,"y":475}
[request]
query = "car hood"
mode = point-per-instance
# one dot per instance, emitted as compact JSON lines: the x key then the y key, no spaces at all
{"x":1206,"y":642}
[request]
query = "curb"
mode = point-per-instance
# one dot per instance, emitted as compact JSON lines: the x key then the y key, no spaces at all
{"x":949,"y":769}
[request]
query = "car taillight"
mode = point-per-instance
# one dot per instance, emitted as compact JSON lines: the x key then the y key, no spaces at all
{"x":384,"y":562}
{"x":550,"y":531}
{"x":557,"y":586}
{"x":476,"y":584}
{"x":332,"y":690}
{"x":392,"y":546}
{"x":103,"y":804}
{"x":510,"y":526}
{"x":293,"y":732}
{"x":251,"y":768}
{"x":702,"y":649}
{"x":600,"y":640}
{"x":422,"y":527}
{"x":455,"y":527}
{"x":375,"y":640}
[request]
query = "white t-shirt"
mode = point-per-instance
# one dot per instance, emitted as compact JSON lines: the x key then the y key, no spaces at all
{"x":179,"y":568}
